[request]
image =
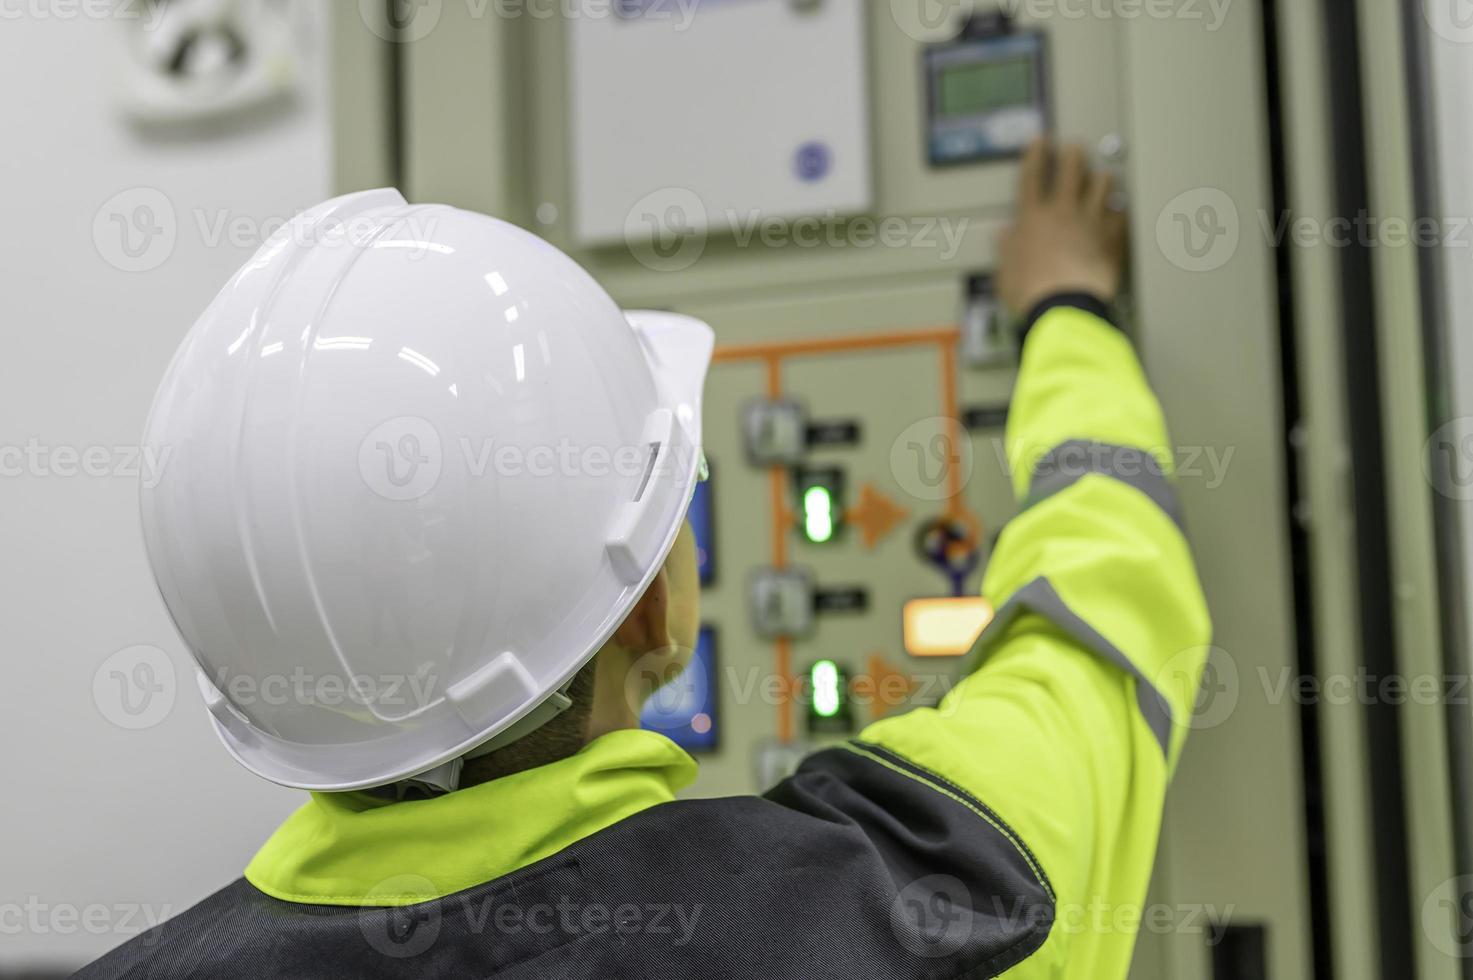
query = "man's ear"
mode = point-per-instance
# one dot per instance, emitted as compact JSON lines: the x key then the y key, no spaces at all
{"x":647,"y":627}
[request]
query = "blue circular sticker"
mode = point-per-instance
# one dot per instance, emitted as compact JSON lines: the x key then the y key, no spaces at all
{"x":814,"y":161}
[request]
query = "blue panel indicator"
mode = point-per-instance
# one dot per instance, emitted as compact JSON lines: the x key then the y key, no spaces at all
{"x":702,"y":519}
{"x":685,"y":710}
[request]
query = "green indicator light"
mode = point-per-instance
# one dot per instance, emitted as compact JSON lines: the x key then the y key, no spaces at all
{"x":825,"y":679}
{"x":818,"y":514}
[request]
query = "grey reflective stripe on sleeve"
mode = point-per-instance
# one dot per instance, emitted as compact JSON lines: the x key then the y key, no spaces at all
{"x":1040,"y":597}
{"x":1069,"y":462}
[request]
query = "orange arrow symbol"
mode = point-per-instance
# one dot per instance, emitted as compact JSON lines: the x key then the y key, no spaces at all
{"x":876,"y":515}
{"x":885,"y":687}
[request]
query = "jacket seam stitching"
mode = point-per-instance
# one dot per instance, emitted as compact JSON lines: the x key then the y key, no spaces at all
{"x":948,"y":789}
{"x":1033,"y":940}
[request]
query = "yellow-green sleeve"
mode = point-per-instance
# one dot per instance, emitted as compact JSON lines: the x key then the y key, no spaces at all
{"x":1072,"y":722}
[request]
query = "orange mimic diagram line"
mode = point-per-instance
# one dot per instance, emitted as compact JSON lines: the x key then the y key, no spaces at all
{"x":772,"y":355}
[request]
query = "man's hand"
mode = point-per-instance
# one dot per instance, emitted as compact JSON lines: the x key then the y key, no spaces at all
{"x":1066,"y":238}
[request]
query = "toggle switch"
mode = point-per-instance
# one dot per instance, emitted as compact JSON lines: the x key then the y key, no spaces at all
{"x":775,"y":432}
{"x":987,"y":335}
{"x":780,"y":602}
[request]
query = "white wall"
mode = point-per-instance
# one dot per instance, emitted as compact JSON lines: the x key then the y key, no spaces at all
{"x":102,"y":826}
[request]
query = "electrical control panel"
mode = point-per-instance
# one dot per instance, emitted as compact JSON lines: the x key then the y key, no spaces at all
{"x":855,"y":409}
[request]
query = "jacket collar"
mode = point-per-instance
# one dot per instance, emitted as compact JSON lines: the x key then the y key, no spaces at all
{"x":352,"y":849}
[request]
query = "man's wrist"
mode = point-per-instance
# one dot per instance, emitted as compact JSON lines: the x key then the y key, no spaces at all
{"x":1078,"y":300}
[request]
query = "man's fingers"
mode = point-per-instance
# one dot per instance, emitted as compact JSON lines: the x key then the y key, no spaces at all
{"x":1031,"y":184}
{"x":1100,"y":185}
{"x":1116,"y":230}
{"x":1069,"y":184}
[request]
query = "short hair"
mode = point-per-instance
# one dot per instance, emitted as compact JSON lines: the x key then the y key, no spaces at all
{"x":560,"y":738}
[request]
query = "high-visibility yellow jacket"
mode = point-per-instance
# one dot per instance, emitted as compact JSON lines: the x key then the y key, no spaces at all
{"x":1072,"y":725}
{"x":1008,"y":831}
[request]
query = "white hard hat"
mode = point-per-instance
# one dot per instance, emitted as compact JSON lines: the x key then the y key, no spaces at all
{"x":420,"y":467}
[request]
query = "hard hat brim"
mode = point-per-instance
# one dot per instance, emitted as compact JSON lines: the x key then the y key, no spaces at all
{"x":679,"y":348}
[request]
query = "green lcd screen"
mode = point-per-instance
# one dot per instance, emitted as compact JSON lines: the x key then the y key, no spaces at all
{"x":968,"y":90}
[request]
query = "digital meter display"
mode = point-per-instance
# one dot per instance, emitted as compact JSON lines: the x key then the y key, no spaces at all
{"x":685,"y":710}
{"x":985,"y":86}
{"x":987,"y":97}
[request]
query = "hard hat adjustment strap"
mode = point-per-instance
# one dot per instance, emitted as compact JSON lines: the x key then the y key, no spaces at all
{"x":445,"y":778}
{"x":553,"y":705}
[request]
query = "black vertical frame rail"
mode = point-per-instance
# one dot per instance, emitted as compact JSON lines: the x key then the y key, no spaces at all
{"x":396,"y":16}
{"x":1305,"y":640}
{"x":1389,"y":859}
